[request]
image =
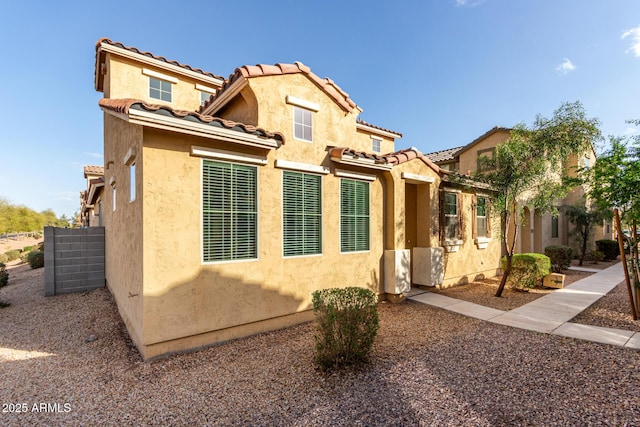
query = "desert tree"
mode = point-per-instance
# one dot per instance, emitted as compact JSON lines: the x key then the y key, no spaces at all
{"x":528,"y":169}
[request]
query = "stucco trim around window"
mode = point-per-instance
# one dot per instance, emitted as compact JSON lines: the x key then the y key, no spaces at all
{"x":130,"y":156}
{"x":165,"y":77}
{"x":232,"y":156}
{"x":482,"y":242}
{"x":422,"y":179}
{"x":355,"y":175}
{"x":299,"y":102}
{"x":302,"y":167}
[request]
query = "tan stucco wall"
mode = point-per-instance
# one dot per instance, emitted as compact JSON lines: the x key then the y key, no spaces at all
{"x":124,"y":79}
{"x":184,"y":297}
{"x":123,"y":227}
{"x":469,"y":158}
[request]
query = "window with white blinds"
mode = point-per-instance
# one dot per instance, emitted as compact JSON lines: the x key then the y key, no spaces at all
{"x":301,"y":213}
{"x":229,"y":211}
{"x":354,"y":215}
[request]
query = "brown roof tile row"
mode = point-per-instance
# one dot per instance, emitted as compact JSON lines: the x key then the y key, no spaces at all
{"x":93,"y":170}
{"x":260,"y":70}
{"x":444,"y":155}
{"x":124,"y":105}
{"x":362,"y":122}
{"x":151,"y":55}
{"x":396,"y":158}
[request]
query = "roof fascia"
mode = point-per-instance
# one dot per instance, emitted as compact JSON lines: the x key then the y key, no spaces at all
{"x":160,"y":64}
{"x":148,"y":119}
{"x":375,"y":131}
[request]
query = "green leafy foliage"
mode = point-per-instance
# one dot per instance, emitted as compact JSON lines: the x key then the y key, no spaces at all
{"x":527,"y":269}
{"x":14,"y":218}
{"x":560,"y":257}
{"x":528,"y":168}
{"x":4,"y":259}
{"x":595,"y":257}
{"x":13,"y":254}
{"x":584,"y":218}
{"x":609,"y":248}
{"x":36,"y":259}
{"x":347,"y":324}
{"x":4,"y":275}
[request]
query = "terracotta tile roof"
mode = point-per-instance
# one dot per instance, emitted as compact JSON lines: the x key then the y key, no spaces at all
{"x":150,"y":55}
{"x":93,"y":170}
{"x":408,"y":154}
{"x":124,"y":105}
{"x":339,"y":152}
{"x":362,"y":122}
{"x":262,"y":70}
{"x":444,"y":155}
{"x":397,"y":158}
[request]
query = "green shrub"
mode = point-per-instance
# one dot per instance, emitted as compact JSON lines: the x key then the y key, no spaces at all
{"x":595,"y":257}
{"x":27,"y":249}
{"x":609,"y":248}
{"x":4,"y":304}
{"x":527,"y":269}
{"x":347,"y":324}
{"x":36,"y":259}
{"x":560,"y":257}
{"x":13,"y":254}
{"x":4,"y":275}
{"x":4,"y":259}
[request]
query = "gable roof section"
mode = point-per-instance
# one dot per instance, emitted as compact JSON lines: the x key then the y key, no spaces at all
{"x":485,"y":135}
{"x":377,"y":161}
{"x":164,"y":117}
{"x":403,"y":156}
{"x":261,"y":70}
{"x":105,"y":45}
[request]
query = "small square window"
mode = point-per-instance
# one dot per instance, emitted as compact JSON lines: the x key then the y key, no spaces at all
{"x":303,"y":124}
{"x":375,"y":145}
{"x":159,"y":89}
{"x":204,"y":97}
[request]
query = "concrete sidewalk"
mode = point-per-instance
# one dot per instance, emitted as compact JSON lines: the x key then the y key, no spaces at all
{"x":550,"y":313}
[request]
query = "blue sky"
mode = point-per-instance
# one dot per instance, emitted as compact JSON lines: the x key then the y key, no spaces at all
{"x":441,"y":72}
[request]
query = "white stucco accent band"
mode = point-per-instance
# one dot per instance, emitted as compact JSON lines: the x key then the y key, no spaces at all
{"x":355,"y":175}
{"x":302,"y":103}
{"x":303,"y":167}
{"x":228,"y":155}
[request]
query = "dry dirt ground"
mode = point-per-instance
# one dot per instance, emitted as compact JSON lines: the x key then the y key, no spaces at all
{"x":67,"y":360}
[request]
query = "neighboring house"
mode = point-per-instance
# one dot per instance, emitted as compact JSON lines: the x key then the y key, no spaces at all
{"x":224,"y":213}
{"x":91,"y":198}
{"x":537,"y":231}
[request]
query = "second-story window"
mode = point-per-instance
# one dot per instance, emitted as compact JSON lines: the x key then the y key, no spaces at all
{"x":159,"y":89}
{"x":375,"y":145}
{"x":302,"y":124}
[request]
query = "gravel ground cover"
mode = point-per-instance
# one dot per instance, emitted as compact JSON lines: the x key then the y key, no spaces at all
{"x":428,"y":367}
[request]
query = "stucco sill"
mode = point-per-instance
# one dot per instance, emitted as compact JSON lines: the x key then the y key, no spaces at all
{"x":482,"y":242}
{"x":452,"y":245}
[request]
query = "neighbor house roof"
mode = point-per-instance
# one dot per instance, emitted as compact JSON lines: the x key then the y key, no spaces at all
{"x":106,"y":45}
{"x":484,"y":136}
{"x":93,"y":170}
{"x":444,"y":155}
{"x":408,"y":154}
{"x":186,"y":120}
{"x":263,"y":70}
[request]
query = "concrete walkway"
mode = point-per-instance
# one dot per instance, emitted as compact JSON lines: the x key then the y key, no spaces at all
{"x":551,"y":313}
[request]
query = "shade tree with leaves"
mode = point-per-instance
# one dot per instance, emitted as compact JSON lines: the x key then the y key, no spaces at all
{"x":527,"y":170}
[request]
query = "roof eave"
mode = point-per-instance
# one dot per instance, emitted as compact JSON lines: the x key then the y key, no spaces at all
{"x":104,"y":48}
{"x":173,"y":124}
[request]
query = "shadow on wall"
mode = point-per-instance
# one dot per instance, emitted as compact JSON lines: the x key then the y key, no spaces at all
{"x":229,"y":307}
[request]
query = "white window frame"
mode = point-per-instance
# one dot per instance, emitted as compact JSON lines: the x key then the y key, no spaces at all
{"x":302,"y":124}
{"x":376,"y":142}
{"x":161,"y":90}
{"x":132,"y":182}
